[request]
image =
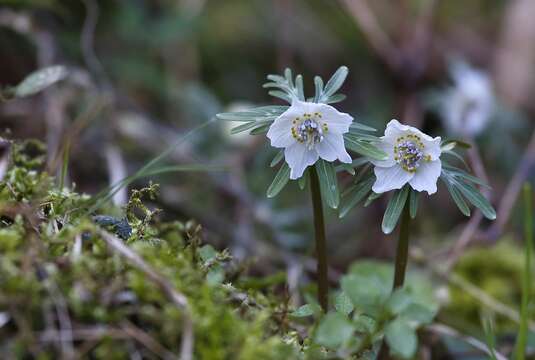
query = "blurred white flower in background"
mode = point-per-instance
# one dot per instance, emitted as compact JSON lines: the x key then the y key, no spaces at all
{"x":308,"y":131}
{"x":467,"y":106}
{"x":242,"y":138}
{"x":413,"y":157}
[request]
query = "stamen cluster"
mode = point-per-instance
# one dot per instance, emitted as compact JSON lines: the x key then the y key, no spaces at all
{"x":308,"y":130}
{"x":408,"y":152}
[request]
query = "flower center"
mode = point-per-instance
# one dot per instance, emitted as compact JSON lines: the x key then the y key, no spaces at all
{"x":309,"y":129}
{"x":408,"y":152}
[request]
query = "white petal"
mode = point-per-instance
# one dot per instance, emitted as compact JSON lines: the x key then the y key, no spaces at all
{"x":298,"y":157}
{"x":395,"y":129}
{"x":432,"y":147}
{"x":388,"y":148}
{"x":426,"y":177}
{"x":332,"y":148}
{"x":390,"y":178}
{"x":336,"y":121}
{"x":280,"y":132}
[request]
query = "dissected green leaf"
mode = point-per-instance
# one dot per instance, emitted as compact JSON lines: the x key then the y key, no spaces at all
{"x":306,"y":310}
{"x":343,"y":304}
{"x":418,"y":314}
{"x":280,"y":180}
{"x":367,"y":293}
{"x":394,"y":209}
{"x":334,"y":330}
{"x":401,"y":338}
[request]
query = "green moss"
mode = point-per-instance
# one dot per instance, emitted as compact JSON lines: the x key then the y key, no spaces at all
{"x":54,"y":262}
{"x":497,"y":270}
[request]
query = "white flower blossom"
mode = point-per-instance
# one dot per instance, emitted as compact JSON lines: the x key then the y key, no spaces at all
{"x":412,"y":157}
{"x":308,"y":131}
{"x":468,"y":105}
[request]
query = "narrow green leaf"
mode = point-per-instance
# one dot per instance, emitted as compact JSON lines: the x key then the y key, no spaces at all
{"x":40,"y":80}
{"x":318,"y":85}
{"x":336,"y":98}
{"x":401,"y":338}
{"x":360,"y":127}
{"x":457,"y":197}
{"x":475,"y":198}
{"x":328,"y":183}
{"x":277,"y":159}
{"x":243,"y":127}
{"x":450,"y":144}
{"x":364,"y":148}
{"x":335,"y":82}
{"x":276,"y":78}
{"x":354,"y":195}
{"x":414,"y":198}
{"x":281,"y":95}
{"x":371,"y":198}
{"x":394,"y":209}
{"x":280,"y":180}
{"x":262,"y":129}
{"x":303,"y":181}
{"x":299,"y":86}
{"x":289,"y":77}
{"x":345,"y":167}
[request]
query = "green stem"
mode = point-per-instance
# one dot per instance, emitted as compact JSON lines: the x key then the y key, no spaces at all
{"x":321,"y":244}
{"x":402,"y":255}
{"x":521,"y":341}
{"x":402,"y":252}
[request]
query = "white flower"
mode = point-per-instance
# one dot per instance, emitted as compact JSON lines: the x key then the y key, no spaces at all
{"x":308,"y":131}
{"x":413,"y":157}
{"x":468,"y":105}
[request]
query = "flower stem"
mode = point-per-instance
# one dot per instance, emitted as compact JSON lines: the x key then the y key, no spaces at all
{"x":402,"y":252}
{"x":321,"y":244}
{"x":402,"y":255}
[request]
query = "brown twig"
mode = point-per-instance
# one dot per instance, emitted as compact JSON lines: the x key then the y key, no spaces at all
{"x":186,"y":351}
{"x":512,"y":190}
{"x":442,"y":330}
{"x":378,"y":39}
{"x":467,"y":235}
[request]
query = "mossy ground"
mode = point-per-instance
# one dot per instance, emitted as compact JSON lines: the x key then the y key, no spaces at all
{"x":64,"y":292}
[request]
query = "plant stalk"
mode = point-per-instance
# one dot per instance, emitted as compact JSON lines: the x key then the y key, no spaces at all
{"x":402,"y":252}
{"x":321,"y":244}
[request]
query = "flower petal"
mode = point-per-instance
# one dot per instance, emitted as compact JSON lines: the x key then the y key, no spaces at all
{"x":336,"y":121}
{"x":332,"y":148}
{"x":395,"y":129}
{"x":426,"y":177}
{"x":280,"y":132}
{"x":390,"y":178}
{"x":432,"y":147}
{"x":298,"y":157}
{"x":388,"y":148}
